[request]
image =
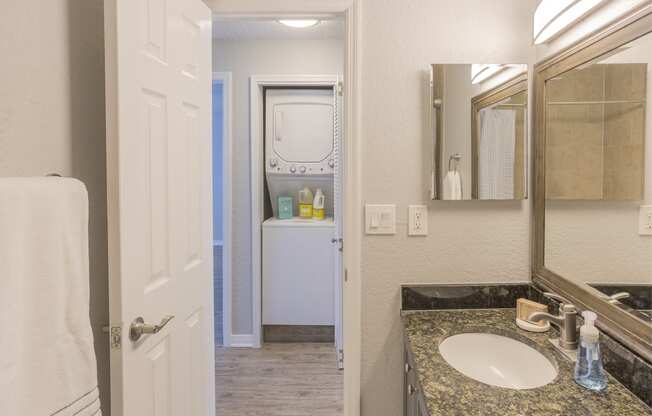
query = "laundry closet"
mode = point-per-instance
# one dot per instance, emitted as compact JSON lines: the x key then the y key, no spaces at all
{"x":301,"y":231}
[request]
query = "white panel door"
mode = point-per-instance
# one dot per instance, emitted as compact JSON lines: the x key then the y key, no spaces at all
{"x":158,"y":88}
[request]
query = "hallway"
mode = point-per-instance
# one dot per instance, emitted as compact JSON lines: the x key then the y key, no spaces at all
{"x":279,"y":379}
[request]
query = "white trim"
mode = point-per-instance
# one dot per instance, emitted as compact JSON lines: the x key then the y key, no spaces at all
{"x":227,"y":200}
{"x":257,"y":82}
{"x":242,"y":341}
{"x":352,"y":203}
{"x":352,"y":296}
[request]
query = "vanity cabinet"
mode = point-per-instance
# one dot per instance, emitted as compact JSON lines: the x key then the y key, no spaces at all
{"x":413,"y":401}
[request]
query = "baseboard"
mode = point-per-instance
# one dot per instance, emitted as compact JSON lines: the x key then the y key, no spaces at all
{"x":241,"y":341}
{"x":299,"y":333}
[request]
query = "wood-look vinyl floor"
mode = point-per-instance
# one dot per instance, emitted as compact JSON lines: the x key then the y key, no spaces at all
{"x":279,"y":379}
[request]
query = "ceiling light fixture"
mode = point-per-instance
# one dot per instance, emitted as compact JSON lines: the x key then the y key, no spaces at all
{"x":299,"y":23}
{"x":553,"y":16}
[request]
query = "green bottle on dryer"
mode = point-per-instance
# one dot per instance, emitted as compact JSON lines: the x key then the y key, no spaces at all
{"x":285,"y":204}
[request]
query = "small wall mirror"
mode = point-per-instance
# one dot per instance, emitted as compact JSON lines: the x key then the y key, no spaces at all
{"x":479,"y":131}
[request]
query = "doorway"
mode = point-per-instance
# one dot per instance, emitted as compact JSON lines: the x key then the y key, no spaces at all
{"x":247,"y":48}
{"x":190,"y":298}
{"x":221,"y":181}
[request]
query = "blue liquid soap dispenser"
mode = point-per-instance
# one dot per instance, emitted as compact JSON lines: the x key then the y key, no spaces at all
{"x":588,"y":368}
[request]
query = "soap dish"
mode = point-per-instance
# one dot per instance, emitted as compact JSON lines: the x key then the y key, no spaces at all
{"x":529,"y":326}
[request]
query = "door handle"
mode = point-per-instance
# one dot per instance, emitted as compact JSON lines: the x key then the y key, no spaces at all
{"x":340,"y":241}
{"x":139,"y":327}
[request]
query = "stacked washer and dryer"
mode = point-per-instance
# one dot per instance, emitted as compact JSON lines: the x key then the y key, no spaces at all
{"x":299,"y":258}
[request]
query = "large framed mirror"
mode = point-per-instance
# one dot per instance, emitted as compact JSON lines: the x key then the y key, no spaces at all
{"x":593,"y":177}
{"x":479,"y":131}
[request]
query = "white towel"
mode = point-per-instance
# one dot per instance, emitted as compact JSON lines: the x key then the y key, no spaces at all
{"x":453,"y":185}
{"x":47,"y":359}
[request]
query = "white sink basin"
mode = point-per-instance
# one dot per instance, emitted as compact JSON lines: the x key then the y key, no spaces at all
{"x":497,"y":360}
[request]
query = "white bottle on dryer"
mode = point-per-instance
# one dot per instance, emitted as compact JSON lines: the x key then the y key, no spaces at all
{"x":318,"y":205}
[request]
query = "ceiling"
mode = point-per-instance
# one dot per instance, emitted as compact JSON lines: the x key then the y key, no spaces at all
{"x":240,"y":29}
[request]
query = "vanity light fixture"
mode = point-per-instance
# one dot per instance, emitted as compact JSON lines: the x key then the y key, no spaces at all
{"x":553,"y":16}
{"x":299,"y":23}
{"x":480,"y":72}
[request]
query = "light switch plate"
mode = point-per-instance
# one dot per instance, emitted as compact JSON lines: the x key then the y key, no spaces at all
{"x":417,"y":220}
{"x":645,"y":220}
{"x":380,"y":219}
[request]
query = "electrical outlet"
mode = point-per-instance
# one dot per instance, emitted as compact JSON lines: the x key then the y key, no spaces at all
{"x":645,"y":220}
{"x":417,"y":220}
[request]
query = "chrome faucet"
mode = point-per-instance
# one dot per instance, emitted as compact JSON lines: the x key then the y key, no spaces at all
{"x":616,"y":297}
{"x":566,"y":321}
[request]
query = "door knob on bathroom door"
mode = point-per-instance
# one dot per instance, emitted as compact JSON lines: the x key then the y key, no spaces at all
{"x":139,"y":327}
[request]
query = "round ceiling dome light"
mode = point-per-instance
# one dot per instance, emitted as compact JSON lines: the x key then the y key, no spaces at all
{"x":299,"y":23}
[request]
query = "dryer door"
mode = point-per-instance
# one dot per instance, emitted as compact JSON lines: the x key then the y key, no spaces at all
{"x":299,"y":125}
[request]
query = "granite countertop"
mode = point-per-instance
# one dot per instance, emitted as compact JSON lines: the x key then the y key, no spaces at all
{"x":448,"y":392}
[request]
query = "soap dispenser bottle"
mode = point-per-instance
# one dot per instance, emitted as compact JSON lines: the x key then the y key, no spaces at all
{"x":588,"y":368}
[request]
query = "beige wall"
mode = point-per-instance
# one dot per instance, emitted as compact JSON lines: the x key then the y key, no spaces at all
{"x":469,"y":241}
{"x":243,"y":59}
{"x":52,"y":118}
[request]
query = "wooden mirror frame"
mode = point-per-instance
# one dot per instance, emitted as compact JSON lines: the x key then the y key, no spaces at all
{"x":507,"y":89}
{"x":631,"y":331}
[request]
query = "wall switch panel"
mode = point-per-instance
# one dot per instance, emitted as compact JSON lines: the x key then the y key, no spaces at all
{"x":417,"y":220}
{"x":645,"y":220}
{"x":380,"y":219}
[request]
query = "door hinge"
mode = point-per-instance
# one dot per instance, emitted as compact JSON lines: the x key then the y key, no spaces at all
{"x":116,"y":337}
{"x":340,"y":357}
{"x":346,"y":275}
{"x":340,"y":88}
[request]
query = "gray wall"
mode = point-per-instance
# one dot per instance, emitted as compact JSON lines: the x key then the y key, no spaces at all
{"x":243,"y":59}
{"x":218,"y":162}
{"x":52,"y":118}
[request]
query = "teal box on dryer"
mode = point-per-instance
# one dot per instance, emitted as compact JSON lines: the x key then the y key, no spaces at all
{"x":285,"y":204}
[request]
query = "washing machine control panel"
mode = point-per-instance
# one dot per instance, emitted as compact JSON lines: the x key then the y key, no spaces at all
{"x":275,"y":165}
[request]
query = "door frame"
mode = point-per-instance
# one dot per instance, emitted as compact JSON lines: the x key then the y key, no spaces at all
{"x":257,"y":83}
{"x":352,"y":152}
{"x":227,"y":200}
